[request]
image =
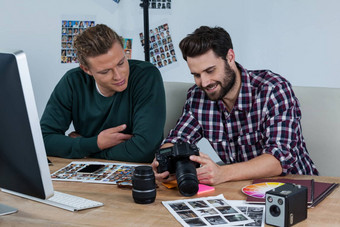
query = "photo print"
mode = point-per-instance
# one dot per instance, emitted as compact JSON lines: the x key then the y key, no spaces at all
{"x":70,"y":29}
{"x":159,"y":4}
{"x":255,"y":212}
{"x":127,"y":47}
{"x":207,"y":211}
{"x":109,"y":173}
{"x":162,"y":52}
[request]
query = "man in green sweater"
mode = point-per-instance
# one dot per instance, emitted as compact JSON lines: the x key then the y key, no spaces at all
{"x":116,"y":105}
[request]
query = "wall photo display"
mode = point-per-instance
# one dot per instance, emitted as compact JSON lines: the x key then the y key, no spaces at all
{"x":162,"y":52}
{"x":159,"y":4}
{"x":70,"y":29}
{"x":127,"y":42}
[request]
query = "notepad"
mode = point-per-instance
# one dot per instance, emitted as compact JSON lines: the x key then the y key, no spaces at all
{"x":202,"y":188}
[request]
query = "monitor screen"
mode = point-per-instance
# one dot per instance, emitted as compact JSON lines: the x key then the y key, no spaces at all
{"x":23,"y":162}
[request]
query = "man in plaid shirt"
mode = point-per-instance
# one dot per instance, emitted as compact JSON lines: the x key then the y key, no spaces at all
{"x":251,"y":118}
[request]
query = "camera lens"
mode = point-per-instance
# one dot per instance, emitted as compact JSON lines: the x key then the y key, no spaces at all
{"x":186,"y":177}
{"x":143,"y":185}
{"x":275,"y":211}
{"x":270,"y":199}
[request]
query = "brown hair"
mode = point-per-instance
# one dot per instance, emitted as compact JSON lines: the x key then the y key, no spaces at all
{"x":204,"y":39}
{"x":95,"y":41}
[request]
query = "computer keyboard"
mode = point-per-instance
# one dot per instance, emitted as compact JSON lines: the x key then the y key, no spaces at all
{"x":71,"y":202}
{"x":62,"y":200}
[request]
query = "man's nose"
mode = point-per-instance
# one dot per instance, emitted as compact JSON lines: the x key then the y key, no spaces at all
{"x":116,"y":74}
{"x":205,"y":80}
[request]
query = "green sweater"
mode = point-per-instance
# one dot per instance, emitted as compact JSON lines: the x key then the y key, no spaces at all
{"x":141,"y":106}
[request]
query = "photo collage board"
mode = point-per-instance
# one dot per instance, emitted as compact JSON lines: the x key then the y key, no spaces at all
{"x":159,"y":4}
{"x":69,"y":30}
{"x":162,"y":52}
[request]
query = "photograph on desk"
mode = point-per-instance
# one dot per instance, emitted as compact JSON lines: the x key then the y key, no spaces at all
{"x":214,"y":210}
{"x":95,"y":172}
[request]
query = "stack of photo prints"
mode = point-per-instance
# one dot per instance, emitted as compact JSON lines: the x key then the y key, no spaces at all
{"x":108,"y":173}
{"x":215,"y":211}
{"x":162,"y":52}
{"x":70,"y":29}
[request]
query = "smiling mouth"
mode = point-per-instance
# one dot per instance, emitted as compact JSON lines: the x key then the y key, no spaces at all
{"x":211,"y":87}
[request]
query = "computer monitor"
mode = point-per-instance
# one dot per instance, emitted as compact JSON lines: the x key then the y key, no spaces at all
{"x":23,"y":162}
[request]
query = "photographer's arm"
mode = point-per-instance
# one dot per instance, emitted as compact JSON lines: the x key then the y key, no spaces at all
{"x":210,"y":173}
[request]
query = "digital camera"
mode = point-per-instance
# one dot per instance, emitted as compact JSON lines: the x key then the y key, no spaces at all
{"x":176,"y":160}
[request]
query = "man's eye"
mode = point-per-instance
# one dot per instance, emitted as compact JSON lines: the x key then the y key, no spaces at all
{"x":104,"y":72}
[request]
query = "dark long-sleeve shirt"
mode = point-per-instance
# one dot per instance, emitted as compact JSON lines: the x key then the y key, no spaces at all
{"x":141,"y":106}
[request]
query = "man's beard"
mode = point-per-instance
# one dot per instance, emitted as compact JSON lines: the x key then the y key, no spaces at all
{"x":228,"y":83}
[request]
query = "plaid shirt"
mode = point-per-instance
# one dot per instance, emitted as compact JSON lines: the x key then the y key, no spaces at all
{"x":265,"y":119}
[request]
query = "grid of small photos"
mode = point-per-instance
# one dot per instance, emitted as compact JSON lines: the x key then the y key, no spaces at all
{"x":254,"y":211}
{"x":162,"y":52}
{"x":159,"y":4}
{"x":206,"y":211}
{"x":110,"y":173}
{"x":69,"y":29}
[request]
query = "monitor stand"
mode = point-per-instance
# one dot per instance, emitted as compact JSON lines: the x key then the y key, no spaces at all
{"x":4,"y":209}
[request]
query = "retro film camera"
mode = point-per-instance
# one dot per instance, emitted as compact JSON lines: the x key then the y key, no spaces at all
{"x":286,"y":205}
{"x":176,"y":160}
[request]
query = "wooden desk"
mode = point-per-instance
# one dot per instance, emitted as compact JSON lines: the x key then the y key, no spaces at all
{"x":120,"y":210}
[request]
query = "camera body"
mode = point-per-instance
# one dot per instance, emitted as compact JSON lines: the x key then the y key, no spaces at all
{"x":176,"y":160}
{"x":167,"y":157}
{"x":286,"y":205}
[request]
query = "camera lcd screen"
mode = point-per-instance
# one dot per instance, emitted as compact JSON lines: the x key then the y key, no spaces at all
{"x":163,"y":151}
{"x":91,"y":168}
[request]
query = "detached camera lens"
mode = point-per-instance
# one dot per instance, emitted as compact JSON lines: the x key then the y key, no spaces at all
{"x":275,"y":211}
{"x":143,"y":185}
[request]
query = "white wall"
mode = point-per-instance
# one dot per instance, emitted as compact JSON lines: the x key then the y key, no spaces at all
{"x":297,"y":38}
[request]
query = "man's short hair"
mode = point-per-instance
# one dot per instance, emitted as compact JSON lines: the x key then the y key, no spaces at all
{"x":95,"y":41}
{"x":204,"y":39}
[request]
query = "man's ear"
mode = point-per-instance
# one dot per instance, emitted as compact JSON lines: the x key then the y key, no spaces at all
{"x":85,"y":69}
{"x":230,"y":56}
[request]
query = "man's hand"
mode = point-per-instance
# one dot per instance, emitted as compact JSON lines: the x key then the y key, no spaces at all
{"x":161,"y":177}
{"x":74,"y":134}
{"x":111,"y":137}
{"x":165,"y":176}
{"x":209,"y":172}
